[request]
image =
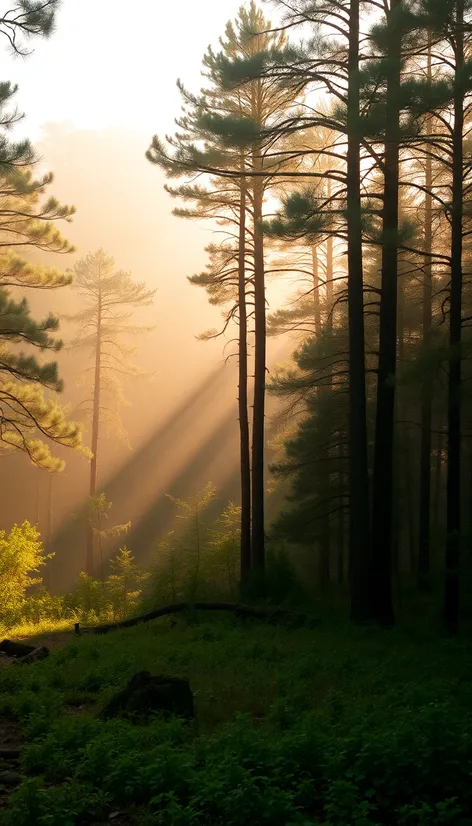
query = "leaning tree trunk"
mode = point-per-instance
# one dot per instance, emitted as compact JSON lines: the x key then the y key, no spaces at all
{"x":268,"y":614}
{"x":257,"y":493}
{"x":89,"y":565}
{"x":245,"y":464}
{"x":358,"y":465}
{"x":424,"y":562}
{"x":451,"y":588}
{"x":382,"y":502}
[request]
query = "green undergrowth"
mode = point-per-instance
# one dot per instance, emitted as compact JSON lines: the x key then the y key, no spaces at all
{"x":336,"y":725}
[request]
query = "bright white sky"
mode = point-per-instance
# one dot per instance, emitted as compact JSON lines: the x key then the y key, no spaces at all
{"x":112,"y":62}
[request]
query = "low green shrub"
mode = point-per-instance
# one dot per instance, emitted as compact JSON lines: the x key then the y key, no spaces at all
{"x":330,"y":727}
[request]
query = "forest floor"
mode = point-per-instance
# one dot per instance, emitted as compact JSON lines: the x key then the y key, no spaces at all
{"x":336,"y":725}
{"x":50,"y":639}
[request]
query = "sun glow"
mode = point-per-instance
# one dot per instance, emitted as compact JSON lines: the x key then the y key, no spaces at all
{"x":111,"y":67}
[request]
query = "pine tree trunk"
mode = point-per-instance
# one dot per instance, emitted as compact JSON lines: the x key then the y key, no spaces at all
{"x":382,"y":503}
{"x":329,"y":330}
{"x":404,"y":467}
{"x":340,"y":571}
{"x":438,"y":481}
{"x":324,"y":566}
{"x":89,"y":566}
{"x":358,"y":465}
{"x":257,"y":493}
{"x":396,"y":535}
{"x":451,"y":588}
{"x":245,"y":464}
{"x":470,"y":496}
{"x":424,"y":563}
{"x":340,"y":549}
{"x":411,"y":505}
{"x":401,"y":454}
{"x":323,"y":482}
{"x":316,"y":291}
{"x":329,"y":271}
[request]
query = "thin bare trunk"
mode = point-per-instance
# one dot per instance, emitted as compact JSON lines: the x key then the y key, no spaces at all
{"x":404,"y":467}
{"x":100,"y":549}
{"x":382,"y":503}
{"x":329,"y":272}
{"x":258,"y":429}
{"x":438,"y":480}
{"x":324,"y":566}
{"x":424,"y":563}
{"x":358,"y":467}
{"x":341,"y":532}
{"x":324,"y":545}
{"x":451,"y":587}
{"x":316,"y":291}
{"x":245,"y":464}
{"x":89,"y":566}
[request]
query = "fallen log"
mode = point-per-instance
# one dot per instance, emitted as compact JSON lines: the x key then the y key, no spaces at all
{"x":15,"y":649}
{"x":266,"y":614}
{"x":23,"y":654}
{"x":39,"y":653}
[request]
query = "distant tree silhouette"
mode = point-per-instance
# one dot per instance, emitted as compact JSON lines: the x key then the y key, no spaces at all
{"x":104,"y":326}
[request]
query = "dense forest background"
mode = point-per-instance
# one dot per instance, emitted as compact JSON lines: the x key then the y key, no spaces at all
{"x":329,"y":403}
{"x":236,"y":413}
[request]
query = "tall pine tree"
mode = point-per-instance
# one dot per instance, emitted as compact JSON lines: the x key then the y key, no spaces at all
{"x":104,"y":328}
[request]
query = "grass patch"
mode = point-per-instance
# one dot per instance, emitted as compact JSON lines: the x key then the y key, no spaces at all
{"x":36,"y":630}
{"x":335,"y":725}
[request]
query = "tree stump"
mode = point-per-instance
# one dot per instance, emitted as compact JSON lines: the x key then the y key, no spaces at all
{"x":145,"y":695}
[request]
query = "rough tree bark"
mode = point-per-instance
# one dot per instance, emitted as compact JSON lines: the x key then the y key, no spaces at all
{"x":258,"y":429}
{"x":358,"y":466}
{"x":243,"y":392}
{"x":382,"y":501}
{"x":451,"y":587}
{"x":404,"y":467}
{"x":89,"y":563}
{"x":329,"y":269}
{"x":341,"y":530}
{"x":324,"y":543}
{"x":426,"y":390}
{"x":438,"y":479}
{"x":316,"y":291}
